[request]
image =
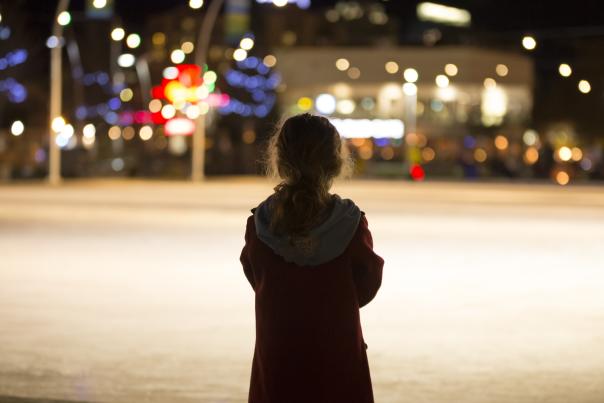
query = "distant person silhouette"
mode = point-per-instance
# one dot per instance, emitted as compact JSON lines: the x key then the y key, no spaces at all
{"x":309,"y":257}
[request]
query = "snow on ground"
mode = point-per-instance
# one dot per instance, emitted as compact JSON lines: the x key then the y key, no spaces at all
{"x":129,"y":291}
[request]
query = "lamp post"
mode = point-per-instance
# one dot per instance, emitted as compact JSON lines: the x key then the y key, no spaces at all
{"x":410,"y":91}
{"x":199,"y":135}
{"x":56,"y":74}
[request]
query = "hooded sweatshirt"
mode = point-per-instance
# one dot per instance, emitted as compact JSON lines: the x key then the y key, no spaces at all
{"x":330,"y":238}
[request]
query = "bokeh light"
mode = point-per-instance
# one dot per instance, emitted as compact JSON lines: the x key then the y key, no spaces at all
{"x":325,"y":104}
{"x":209,"y":77}
{"x":584,"y":86}
{"x":409,"y":89}
{"x":193,"y":112}
{"x":391,"y":67}
{"x":239,"y":54}
{"x":501,"y":142}
{"x":145,"y":133}
{"x":89,"y":130}
{"x":442,"y":81}
{"x":489,"y":83}
{"x":117,"y":34}
{"x":128,"y":133}
{"x":354,"y":73}
{"x":451,"y":69}
{"x":562,"y":178}
{"x":428,"y":154}
{"x":530,"y":137}
{"x":17,"y":128}
{"x":565,"y":153}
{"x":195,"y":4}
{"x":64,"y":18}
{"x":126,"y":60}
{"x":387,"y":153}
{"x":99,"y":3}
{"x":114,"y":133}
{"x":248,"y":136}
{"x":187,"y":47}
{"x":480,"y":155}
{"x":126,"y":94}
{"x":304,"y":103}
{"x":52,"y":42}
{"x":168,"y":111}
{"x":411,"y":75}
{"x":577,"y":154}
{"x":246,"y":43}
{"x":531,"y":155}
{"x":269,"y":61}
{"x":345,"y":106}
{"x":158,"y":39}
{"x":502,"y":70}
{"x":58,"y":124}
{"x":133,"y":41}
{"x":155,"y":105}
{"x":529,"y":43}
{"x":565,"y":70}
{"x":177,"y":56}
{"x":417,"y":173}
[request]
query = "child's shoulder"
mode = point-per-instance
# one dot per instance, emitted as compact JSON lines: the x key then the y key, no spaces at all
{"x":351,"y":204}
{"x":250,"y":218}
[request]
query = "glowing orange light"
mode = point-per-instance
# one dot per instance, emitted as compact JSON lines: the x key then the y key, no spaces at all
{"x":531,"y":155}
{"x":358,"y":142}
{"x":428,"y":154}
{"x":175,"y":92}
{"x":501,"y":142}
{"x":188,"y":78}
{"x":562,"y":178}
{"x":184,"y":90}
{"x":387,"y":153}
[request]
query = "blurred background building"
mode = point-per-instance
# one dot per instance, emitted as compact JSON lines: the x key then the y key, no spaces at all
{"x":464,"y":89}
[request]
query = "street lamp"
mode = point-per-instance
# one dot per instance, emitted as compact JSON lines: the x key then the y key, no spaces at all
{"x":62,"y":18}
{"x":199,"y":135}
{"x":203,"y":43}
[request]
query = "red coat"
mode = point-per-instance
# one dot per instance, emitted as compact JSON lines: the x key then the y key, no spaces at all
{"x":309,"y":342}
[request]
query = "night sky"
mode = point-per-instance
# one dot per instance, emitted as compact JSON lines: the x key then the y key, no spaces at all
{"x":571,"y":32}
{"x":494,"y":15}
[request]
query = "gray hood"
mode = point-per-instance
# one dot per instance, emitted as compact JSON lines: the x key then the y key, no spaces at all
{"x":330,"y":238}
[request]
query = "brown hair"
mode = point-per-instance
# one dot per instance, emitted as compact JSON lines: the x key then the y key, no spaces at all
{"x":307,"y":154}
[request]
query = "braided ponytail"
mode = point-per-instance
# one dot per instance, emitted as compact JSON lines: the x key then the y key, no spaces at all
{"x":307,"y":154}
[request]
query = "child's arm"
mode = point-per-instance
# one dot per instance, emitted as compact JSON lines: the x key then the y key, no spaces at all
{"x":366,"y":265}
{"x":244,"y":258}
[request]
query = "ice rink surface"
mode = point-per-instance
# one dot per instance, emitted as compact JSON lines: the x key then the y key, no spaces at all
{"x":121,"y":291}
